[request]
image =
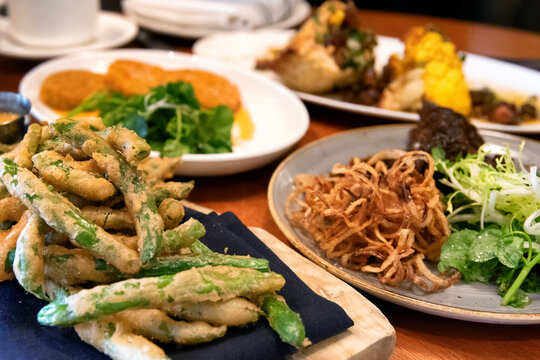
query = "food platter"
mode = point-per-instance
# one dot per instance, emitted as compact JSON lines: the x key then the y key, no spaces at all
{"x":279,"y":118}
{"x":472,"y":302}
{"x":244,"y":48}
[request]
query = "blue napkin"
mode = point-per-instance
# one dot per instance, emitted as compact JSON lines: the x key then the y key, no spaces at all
{"x":23,"y":338}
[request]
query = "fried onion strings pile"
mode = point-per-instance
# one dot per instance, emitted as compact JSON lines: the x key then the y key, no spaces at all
{"x":382,"y":216}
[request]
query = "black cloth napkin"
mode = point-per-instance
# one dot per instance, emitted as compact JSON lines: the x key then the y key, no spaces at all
{"x":23,"y":338}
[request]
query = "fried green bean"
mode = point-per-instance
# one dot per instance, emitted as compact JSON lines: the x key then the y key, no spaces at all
{"x":156,"y":169}
{"x":172,"y":189}
{"x":8,"y":242}
{"x":139,"y":201}
{"x":233,"y":312}
{"x":56,"y":144}
{"x":197,"y":284}
{"x":22,"y":154}
{"x":12,"y":209}
{"x":174,"y":264}
{"x":107,"y":218}
{"x":131,"y":145}
{"x":28,"y":264}
{"x":155,"y":324}
{"x":55,"y":171}
{"x":64,"y":217}
{"x":182,"y":236}
{"x":283,"y":320}
{"x":172,"y":212}
{"x":115,"y":339}
{"x":89,"y":165}
{"x":76,"y":266}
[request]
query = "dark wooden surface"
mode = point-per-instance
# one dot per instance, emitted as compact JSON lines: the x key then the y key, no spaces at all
{"x":419,"y":336}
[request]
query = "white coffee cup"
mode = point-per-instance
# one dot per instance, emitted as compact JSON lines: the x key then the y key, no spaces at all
{"x":52,"y":23}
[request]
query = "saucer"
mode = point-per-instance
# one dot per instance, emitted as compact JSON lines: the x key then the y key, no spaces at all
{"x":297,"y":15}
{"x":113,"y":30}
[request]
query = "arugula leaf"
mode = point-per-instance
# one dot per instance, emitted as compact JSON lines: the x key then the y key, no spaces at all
{"x":169,"y":117}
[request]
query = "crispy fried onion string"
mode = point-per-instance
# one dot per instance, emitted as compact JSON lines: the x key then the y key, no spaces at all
{"x":381,"y":216}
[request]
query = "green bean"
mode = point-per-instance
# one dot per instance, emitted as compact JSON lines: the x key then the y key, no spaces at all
{"x":104,"y":216}
{"x":28,"y":265}
{"x":182,"y":236}
{"x":283,"y":320}
{"x":172,"y":189}
{"x":194,"y":285}
{"x":12,"y":209}
{"x":8,"y":243}
{"x":174,"y":264}
{"x":115,"y":339}
{"x":155,"y":324}
{"x":172,"y":212}
{"x":64,"y":217}
{"x":55,"y":170}
{"x":140,"y":202}
{"x":76,"y":266}
{"x":233,"y":312}
{"x":133,"y":147}
{"x":27,"y":147}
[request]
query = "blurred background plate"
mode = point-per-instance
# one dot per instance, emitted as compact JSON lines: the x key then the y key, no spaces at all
{"x":114,"y":30}
{"x":473,"y":302}
{"x":244,"y":48}
{"x":280,"y":118}
{"x":296,"y":16}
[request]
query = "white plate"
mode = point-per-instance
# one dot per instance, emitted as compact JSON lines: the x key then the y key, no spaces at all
{"x":113,"y":30}
{"x":298,"y":14}
{"x":280,"y":118}
{"x":244,"y":48}
{"x":473,"y":302}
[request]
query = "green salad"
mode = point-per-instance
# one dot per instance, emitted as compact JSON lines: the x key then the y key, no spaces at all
{"x":494,"y":215}
{"x":169,"y":117}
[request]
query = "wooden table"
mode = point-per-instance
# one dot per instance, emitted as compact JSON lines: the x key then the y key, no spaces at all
{"x":419,"y":336}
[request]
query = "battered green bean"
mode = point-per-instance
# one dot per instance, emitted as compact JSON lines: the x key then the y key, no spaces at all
{"x":156,"y":169}
{"x":8,"y":242}
{"x":55,"y":170}
{"x":131,"y":145}
{"x":76,"y":266}
{"x":182,"y":236}
{"x":27,"y":147}
{"x":28,"y":265}
{"x":233,"y":312}
{"x":172,"y":212}
{"x":155,"y":324}
{"x":104,"y":216}
{"x":194,"y":285}
{"x":283,"y":320}
{"x":139,"y":201}
{"x":172,"y":189}
{"x":64,"y":217}
{"x":12,"y":209}
{"x":115,"y":339}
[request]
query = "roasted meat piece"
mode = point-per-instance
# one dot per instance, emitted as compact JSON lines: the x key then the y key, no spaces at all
{"x":442,"y":127}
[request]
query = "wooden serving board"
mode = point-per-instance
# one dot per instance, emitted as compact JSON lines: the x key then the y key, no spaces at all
{"x":371,"y":336}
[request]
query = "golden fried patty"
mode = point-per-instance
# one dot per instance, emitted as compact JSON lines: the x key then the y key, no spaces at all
{"x":211,"y":89}
{"x":133,"y":77}
{"x":65,"y":90}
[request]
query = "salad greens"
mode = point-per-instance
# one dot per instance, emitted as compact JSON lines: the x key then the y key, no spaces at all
{"x":169,"y":117}
{"x":495,"y":219}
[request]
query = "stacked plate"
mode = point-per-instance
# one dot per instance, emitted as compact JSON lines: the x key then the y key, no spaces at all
{"x":197,"y":18}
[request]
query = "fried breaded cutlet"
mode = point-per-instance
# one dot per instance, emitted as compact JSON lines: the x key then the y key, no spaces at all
{"x":133,"y":77}
{"x":65,"y":90}
{"x":211,"y":89}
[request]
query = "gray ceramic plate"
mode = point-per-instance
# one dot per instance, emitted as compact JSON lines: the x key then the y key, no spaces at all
{"x":473,"y":302}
